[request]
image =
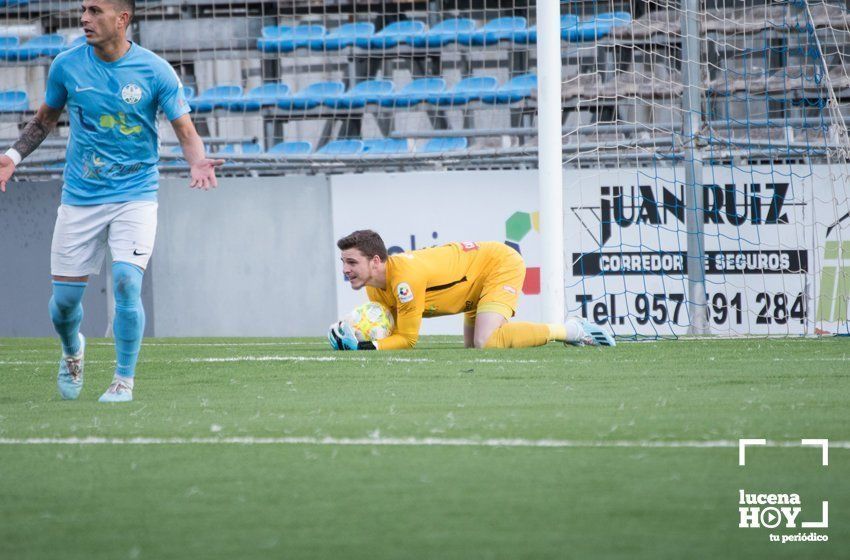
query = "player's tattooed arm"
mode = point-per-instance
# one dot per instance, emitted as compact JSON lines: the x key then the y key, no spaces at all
{"x":37,"y":130}
{"x":31,"y":138}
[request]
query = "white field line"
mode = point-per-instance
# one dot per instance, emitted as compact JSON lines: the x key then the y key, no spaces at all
{"x":222,"y":344}
{"x":377,"y":358}
{"x":347,"y":357}
{"x":403,"y":442}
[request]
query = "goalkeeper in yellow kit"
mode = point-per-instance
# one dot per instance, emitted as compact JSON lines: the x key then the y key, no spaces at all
{"x":482,"y":280}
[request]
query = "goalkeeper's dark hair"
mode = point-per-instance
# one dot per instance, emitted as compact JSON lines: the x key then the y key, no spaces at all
{"x":366,"y":241}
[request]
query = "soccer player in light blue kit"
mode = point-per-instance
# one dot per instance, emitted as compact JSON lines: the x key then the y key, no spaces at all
{"x":113,"y":89}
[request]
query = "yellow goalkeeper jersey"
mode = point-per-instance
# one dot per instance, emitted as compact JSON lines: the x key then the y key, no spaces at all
{"x":445,"y":280}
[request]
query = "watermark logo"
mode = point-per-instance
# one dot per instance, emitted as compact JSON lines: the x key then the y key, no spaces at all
{"x":781,"y":511}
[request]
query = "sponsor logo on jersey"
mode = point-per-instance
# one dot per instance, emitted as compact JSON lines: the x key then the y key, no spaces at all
{"x":509,"y":289}
{"x":119,"y":121}
{"x":405,"y":294}
{"x":131,"y":93}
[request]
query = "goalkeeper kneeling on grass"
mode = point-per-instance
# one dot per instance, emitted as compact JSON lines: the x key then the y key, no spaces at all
{"x":482,"y":280}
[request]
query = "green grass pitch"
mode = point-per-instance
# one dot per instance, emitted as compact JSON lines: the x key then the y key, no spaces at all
{"x":606,"y":489}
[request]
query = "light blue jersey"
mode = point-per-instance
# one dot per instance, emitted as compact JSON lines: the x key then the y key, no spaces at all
{"x":113,"y":149}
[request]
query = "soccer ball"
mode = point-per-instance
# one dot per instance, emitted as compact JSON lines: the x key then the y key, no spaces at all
{"x":371,"y":321}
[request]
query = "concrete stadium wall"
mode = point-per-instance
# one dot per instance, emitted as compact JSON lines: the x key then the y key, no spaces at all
{"x":27,"y":216}
{"x":251,"y":258}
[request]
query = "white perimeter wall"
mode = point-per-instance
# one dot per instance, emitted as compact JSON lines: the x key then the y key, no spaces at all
{"x":250,"y":258}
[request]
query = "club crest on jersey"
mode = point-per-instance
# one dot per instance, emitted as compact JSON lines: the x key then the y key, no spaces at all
{"x":131,"y":93}
{"x":469,"y":245}
{"x":405,"y":294}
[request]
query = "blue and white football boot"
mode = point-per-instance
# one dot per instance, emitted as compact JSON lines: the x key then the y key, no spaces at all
{"x":118,"y":391}
{"x":70,"y":377}
{"x":591,"y":334}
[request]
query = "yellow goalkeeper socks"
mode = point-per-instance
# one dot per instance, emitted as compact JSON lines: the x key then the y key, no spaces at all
{"x":521,"y":335}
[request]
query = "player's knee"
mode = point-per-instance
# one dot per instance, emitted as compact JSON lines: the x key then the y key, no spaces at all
{"x":482,"y":340}
{"x":126,"y":282}
{"x":66,"y":298}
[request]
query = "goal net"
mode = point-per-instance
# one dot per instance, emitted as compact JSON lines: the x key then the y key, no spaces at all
{"x":767,"y":160}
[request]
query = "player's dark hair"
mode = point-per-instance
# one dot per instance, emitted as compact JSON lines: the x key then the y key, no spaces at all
{"x":129,"y":5}
{"x":366,"y":241}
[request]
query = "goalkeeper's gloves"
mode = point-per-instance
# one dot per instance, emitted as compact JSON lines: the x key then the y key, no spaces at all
{"x":341,"y":336}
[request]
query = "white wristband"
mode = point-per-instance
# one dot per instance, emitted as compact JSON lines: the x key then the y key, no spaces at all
{"x":14,"y":155}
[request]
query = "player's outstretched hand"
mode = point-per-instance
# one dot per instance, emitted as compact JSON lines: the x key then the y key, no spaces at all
{"x":7,"y":167}
{"x":203,"y":174}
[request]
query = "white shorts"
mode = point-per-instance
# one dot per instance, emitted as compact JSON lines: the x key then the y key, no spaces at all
{"x":82,"y":234}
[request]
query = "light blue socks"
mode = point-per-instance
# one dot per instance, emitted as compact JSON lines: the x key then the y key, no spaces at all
{"x":128,"y":326}
{"x":66,"y":311}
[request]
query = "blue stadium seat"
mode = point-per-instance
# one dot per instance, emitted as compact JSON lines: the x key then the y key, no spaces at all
{"x":43,"y":45}
{"x":344,"y":36}
{"x":8,"y":43}
{"x":266,"y":95}
{"x":245,"y":148}
{"x":393,"y":35}
{"x":438,"y":145}
{"x":285,"y":38}
{"x":311,"y":96}
{"x":415,"y":92}
{"x":370,"y":91}
{"x":382,"y":146}
{"x":595,"y":27}
{"x":341,"y":147}
{"x":616,"y":19}
{"x":81,"y":40}
{"x":13,"y":101}
{"x":569,"y":23}
{"x":516,"y":89}
{"x":176,"y":150}
{"x":291,"y":149}
{"x":444,"y":33}
{"x":530,"y":35}
{"x":8,"y":3}
{"x":499,"y":29}
{"x":215,"y":97}
{"x":466,"y":90}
